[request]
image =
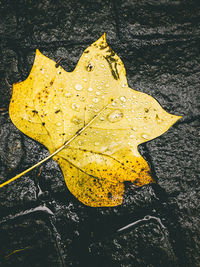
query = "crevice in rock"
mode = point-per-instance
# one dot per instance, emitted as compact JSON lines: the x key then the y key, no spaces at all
{"x":42,"y":209}
{"x":57,"y":238}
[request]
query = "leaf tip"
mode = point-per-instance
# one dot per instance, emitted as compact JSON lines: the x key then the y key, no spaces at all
{"x":37,"y":52}
{"x":104,"y":36}
{"x":101,"y":40}
{"x":175,"y":118}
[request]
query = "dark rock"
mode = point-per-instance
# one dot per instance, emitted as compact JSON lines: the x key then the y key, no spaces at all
{"x":157,"y":21}
{"x":175,"y":160}
{"x":11,"y":150}
{"x":145,"y":244}
{"x":158,"y":224}
{"x":28,"y":241}
{"x":65,"y":22}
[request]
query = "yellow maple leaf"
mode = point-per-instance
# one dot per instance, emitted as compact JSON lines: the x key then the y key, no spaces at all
{"x":91,"y":122}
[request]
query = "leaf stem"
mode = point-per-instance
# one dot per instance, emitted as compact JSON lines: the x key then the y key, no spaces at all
{"x":54,"y":153}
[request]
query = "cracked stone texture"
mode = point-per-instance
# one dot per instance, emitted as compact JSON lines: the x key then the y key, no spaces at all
{"x":42,"y":224}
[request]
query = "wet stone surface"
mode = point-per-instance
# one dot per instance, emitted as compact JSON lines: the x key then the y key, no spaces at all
{"x":42,"y":224}
{"x":138,"y":246}
{"x":29,"y":240}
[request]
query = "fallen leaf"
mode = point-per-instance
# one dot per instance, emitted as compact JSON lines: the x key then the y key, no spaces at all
{"x":91,"y":121}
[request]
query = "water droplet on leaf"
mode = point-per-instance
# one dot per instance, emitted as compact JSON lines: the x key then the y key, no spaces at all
{"x":115,"y":116}
{"x":68,"y":95}
{"x":78,"y":87}
{"x":123,"y":98}
{"x":80,"y":143}
{"x":82,"y":98}
{"x":95,"y":100}
{"x":145,"y":136}
{"x":76,"y":120}
{"x":75,"y":106}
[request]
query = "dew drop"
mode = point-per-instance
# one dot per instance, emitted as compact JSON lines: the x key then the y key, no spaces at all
{"x":145,"y":136}
{"x":98,"y":93}
{"x":101,"y":118}
{"x":68,"y":95}
{"x":82,"y":98}
{"x":123,"y":98}
{"x":115,"y":116}
{"x":103,"y":148}
{"x":107,"y":85}
{"x":80,"y":142}
{"x":75,"y":120}
{"x":75,"y":106}
{"x":58,"y":124}
{"x":124,"y":85}
{"x":131,"y":136}
{"x":113,"y":103}
{"x":96,"y":110}
{"x":90,"y":89}
{"x":95,"y":100}
{"x":96,"y":143}
{"x":133,"y":96}
{"x":99,"y":87}
{"x":55,"y":107}
{"x":78,"y":87}
{"x":85,"y":80}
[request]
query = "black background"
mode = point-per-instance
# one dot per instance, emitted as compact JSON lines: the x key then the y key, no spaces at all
{"x":42,"y":224}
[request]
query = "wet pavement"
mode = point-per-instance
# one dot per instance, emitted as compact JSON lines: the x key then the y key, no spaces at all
{"x":42,"y":224}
